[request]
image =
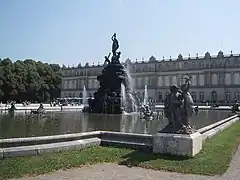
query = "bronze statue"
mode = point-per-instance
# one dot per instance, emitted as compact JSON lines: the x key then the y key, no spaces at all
{"x":115,"y":59}
{"x":115,"y":44}
{"x":178,"y":109}
{"x":172,"y":108}
{"x":107,"y":61}
{"x":107,"y":99}
{"x":116,"y":55}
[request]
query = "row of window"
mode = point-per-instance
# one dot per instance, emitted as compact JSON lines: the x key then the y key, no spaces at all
{"x":165,"y":65}
{"x":78,"y":84}
{"x":139,"y":82}
{"x":214,"y":96}
{"x":162,"y":81}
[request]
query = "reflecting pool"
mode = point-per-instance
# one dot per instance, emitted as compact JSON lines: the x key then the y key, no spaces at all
{"x":53,"y":123}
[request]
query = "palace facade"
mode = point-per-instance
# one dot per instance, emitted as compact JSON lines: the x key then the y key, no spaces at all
{"x":214,"y":78}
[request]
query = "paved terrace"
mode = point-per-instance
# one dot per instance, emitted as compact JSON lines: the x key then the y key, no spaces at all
{"x":117,"y":172}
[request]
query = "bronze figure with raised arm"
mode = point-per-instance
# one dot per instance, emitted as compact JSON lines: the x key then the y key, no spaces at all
{"x":115,"y":44}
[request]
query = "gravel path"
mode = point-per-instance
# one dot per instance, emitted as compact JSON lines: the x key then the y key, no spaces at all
{"x":117,"y":172}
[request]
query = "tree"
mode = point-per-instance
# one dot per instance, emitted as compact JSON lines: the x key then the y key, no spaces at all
{"x":29,"y":80}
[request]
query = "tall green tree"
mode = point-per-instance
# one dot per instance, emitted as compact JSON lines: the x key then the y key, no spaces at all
{"x":29,"y":80}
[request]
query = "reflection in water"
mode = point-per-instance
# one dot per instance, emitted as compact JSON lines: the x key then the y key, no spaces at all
{"x":25,"y":125}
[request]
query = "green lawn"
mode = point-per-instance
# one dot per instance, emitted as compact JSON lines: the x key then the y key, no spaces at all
{"x":213,"y":159}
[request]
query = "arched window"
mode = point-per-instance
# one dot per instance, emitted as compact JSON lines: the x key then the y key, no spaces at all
{"x":220,"y":65}
{"x":174,"y":66}
{"x":166,"y":81}
{"x":228,"y":96}
{"x":214,"y":79}
{"x":167,"y":66}
{"x":142,"y":82}
{"x":160,"y":98}
{"x":193,"y":65}
{"x":227,"y":63}
{"x":214,"y":96}
{"x":194,"y":95}
{"x":237,"y":96}
{"x":138,"y":82}
{"x":213,"y":64}
{"x":80,"y":95}
{"x":202,"y":65}
{"x":159,"y":66}
{"x":201,"y":96}
{"x":174,"y":80}
{"x":236,"y":78}
{"x":160,"y":81}
{"x":166,"y":93}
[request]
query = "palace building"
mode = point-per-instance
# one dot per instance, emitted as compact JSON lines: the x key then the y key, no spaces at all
{"x":214,"y":78}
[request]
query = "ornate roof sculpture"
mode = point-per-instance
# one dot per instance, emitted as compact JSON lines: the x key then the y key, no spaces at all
{"x":207,"y":55}
{"x":180,"y":57}
{"x":152,"y":59}
{"x":220,"y":54}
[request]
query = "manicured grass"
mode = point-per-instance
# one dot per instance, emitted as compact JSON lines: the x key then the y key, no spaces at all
{"x":213,"y":159}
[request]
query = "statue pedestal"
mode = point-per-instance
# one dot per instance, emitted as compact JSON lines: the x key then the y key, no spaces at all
{"x":177,"y":144}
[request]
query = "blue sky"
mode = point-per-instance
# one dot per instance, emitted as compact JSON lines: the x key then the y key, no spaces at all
{"x":73,"y":31}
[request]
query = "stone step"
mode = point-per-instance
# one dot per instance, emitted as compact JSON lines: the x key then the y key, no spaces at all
{"x":27,"y":141}
{"x":48,"y":148}
{"x":127,"y":144}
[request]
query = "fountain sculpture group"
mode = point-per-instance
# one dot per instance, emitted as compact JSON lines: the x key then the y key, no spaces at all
{"x":178,"y":108}
{"x":115,"y":95}
{"x":178,"y":137}
{"x":107,"y":99}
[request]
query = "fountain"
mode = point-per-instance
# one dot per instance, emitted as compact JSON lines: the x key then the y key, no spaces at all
{"x":114,"y":94}
{"x":85,"y":100}
{"x":127,"y":101}
{"x":146,"y":111}
{"x":145,"y":101}
{"x":123,"y":95}
{"x":129,"y":78}
{"x":108,"y":99}
{"x":131,"y":103}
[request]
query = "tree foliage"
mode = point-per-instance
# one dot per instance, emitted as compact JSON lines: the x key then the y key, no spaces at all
{"x":29,"y":80}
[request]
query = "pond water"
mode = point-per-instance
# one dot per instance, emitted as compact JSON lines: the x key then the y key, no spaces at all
{"x":53,"y":123}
